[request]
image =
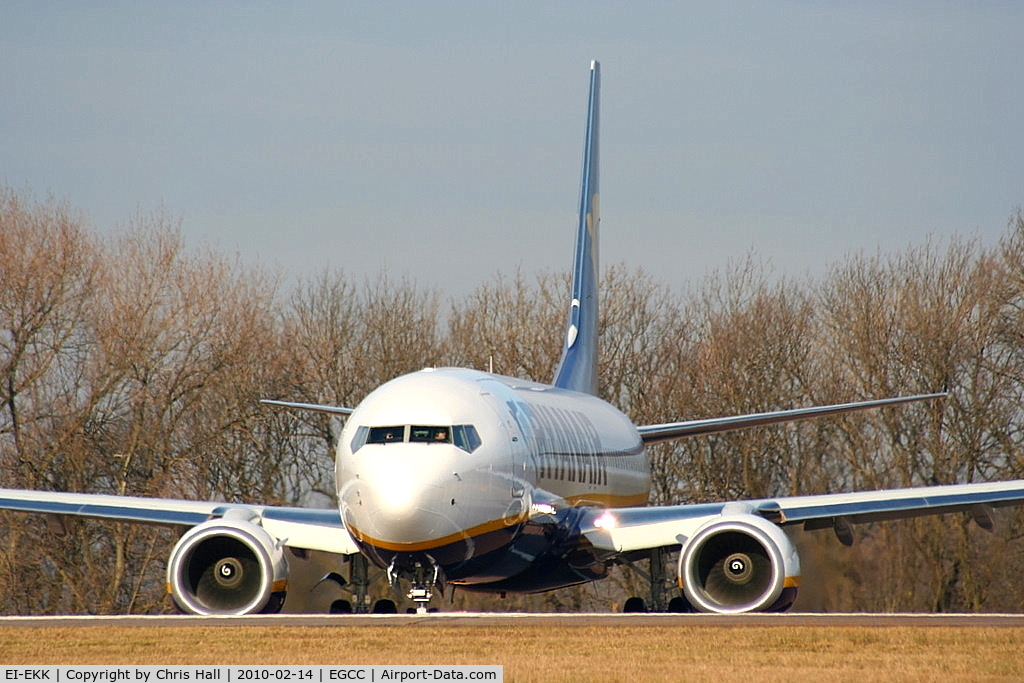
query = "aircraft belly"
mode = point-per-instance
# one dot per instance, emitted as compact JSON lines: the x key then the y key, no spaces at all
{"x":459,"y":557}
{"x":545,"y":555}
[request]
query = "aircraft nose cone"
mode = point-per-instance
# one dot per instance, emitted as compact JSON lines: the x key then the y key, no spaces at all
{"x":397,"y":502}
{"x":400,"y":497}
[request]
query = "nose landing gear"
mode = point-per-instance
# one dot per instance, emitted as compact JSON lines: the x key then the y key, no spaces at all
{"x":423,"y":578}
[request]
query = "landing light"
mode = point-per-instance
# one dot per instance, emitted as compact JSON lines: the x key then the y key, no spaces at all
{"x":605,"y":521}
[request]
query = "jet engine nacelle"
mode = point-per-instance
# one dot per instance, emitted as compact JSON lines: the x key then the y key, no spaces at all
{"x":740,"y":563}
{"x":227,"y":567}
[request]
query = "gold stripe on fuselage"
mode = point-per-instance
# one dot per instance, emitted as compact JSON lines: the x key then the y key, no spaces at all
{"x":580,"y":500}
{"x":479,"y":530}
{"x":608,"y":500}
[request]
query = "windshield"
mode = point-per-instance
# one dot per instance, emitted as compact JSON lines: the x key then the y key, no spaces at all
{"x":386,"y":435}
{"x":430,"y":434}
{"x":463,"y":436}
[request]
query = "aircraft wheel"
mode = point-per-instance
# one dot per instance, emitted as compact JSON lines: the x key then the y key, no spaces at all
{"x":679,"y":605}
{"x":385,"y":606}
{"x":634,"y":605}
{"x":341,"y":607}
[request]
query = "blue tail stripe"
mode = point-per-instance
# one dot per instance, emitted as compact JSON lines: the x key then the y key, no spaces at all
{"x":577,"y":369}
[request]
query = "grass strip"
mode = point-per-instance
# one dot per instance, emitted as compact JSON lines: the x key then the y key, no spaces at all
{"x":546,"y":653}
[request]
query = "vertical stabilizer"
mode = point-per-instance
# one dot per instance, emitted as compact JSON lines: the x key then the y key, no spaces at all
{"x":578,"y":368}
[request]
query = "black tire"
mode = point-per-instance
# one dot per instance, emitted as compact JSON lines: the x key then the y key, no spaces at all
{"x":341,"y":607}
{"x":385,"y":606}
{"x":634,"y":605}
{"x":680,"y":605}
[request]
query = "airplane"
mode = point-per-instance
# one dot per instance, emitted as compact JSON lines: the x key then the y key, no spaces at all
{"x":459,"y":477}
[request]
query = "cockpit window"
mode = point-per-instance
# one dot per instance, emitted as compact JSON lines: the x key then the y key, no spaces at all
{"x":463,"y":436}
{"x":360,"y":438}
{"x":430,"y":434}
{"x":386,"y":435}
{"x":466,"y":438}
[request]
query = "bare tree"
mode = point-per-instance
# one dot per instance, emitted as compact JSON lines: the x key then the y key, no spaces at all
{"x":925,"y":320}
{"x":748,"y":347}
{"x":133,"y":365}
{"x":511,"y":325}
{"x":47,"y":272}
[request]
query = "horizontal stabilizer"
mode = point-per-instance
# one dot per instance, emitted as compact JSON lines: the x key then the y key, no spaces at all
{"x":315,"y":407}
{"x":716,"y":425}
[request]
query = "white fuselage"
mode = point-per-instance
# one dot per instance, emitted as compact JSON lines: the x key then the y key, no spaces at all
{"x":454,"y":466}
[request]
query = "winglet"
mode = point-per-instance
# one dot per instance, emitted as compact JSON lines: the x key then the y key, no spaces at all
{"x":577,"y":369}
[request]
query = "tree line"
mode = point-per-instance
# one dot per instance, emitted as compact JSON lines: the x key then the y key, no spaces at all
{"x":132,"y":364}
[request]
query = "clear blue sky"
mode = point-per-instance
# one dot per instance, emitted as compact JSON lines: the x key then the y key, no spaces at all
{"x":443,"y":140}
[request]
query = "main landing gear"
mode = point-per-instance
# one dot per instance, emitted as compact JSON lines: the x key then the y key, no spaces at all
{"x":357,"y":585}
{"x":660,"y":588}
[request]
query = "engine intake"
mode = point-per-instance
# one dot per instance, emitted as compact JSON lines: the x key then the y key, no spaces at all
{"x":227,"y":567}
{"x":739,"y":564}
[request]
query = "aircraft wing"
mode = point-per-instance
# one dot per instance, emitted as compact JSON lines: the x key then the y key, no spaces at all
{"x":659,"y":433}
{"x":642,"y":528}
{"x":307,"y":528}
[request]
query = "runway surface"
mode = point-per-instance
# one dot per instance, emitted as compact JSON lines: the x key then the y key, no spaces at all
{"x":477,"y":619}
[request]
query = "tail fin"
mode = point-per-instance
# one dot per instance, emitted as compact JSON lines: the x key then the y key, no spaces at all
{"x":578,"y":368}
